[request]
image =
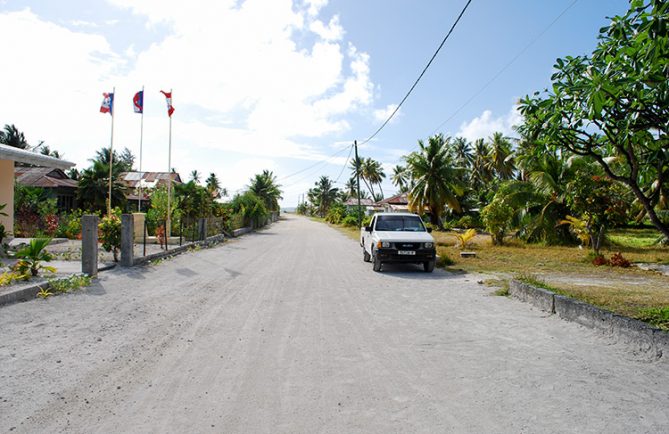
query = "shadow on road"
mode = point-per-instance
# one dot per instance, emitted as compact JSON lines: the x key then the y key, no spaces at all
{"x":414,"y":272}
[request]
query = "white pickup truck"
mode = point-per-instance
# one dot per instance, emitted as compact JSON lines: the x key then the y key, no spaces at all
{"x":398,"y":237}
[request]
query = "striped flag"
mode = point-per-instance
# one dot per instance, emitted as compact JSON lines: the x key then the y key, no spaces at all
{"x":168,"y":98}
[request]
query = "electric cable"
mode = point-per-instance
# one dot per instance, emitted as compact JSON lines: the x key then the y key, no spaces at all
{"x":345,"y":164}
{"x":420,"y":76}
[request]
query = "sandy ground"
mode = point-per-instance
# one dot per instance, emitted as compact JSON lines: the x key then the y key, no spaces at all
{"x":289,"y":331}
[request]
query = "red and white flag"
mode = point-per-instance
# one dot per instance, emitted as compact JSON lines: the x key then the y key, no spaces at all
{"x":168,"y":98}
{"x":107,"y":103}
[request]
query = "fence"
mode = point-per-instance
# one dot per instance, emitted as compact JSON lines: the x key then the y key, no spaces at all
{"x":156,"y":238}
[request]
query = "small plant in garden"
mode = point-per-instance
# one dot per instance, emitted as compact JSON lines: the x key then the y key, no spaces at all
{"x":44,"y":293}
{"x":32,"y":256}
{"x":444,"y":261}
{"x":110,"y":231}
{"x":465,"y":237}
{"x":9,"y":277}
{"x":618,"y":260}
{"x":600,"y":260}
{"x":72,"y":283}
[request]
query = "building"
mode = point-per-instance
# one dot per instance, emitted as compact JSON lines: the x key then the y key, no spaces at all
{"x":140,"y":184}
{"x":54,"y":181}
{"x":9,"y":155}
{"x":397,"y":203}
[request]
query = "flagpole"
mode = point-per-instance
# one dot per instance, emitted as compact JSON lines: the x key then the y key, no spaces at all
{"x":111,"y":153}
{"x":141,"y":138}
{"x":168,"y":229}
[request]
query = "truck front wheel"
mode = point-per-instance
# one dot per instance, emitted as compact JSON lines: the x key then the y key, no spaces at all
{"x":376,"y":263}
{"x":428,"y":266}
{"x":365,"y":256}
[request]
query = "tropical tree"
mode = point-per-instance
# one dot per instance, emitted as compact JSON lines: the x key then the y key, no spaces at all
{"x":400,"y":178}
{"x":462,"y":152}
{"x":500,"y":158}
{"x":435,"y":179}
{"x":323,"y":195}
{"x":195,"y":176}
{"x":264,"y":186}
{"x":372,"y":171}
{"x":93,"y":188}
{"x":11,"y":136}
{"x":613,"y":106}
{"x":46,"y":150}
{"x":214,"y":186}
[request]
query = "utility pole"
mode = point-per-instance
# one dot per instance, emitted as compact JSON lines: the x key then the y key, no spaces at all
{"x":357,"y":172}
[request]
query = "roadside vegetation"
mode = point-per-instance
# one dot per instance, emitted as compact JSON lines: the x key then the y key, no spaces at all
{"x":578,"y":195}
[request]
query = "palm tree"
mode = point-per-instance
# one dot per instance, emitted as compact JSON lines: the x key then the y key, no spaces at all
{"x":213,"y":186}
{"x":93,"y":187}
{"x":45,"y":150}
{"x":265,"y":187}
{"x":500,"y":157}
{"x":372,"y":171}
{"x":462,"y":151}
{"x":357,"y":169}
{"x":195,"y":176}
{"x":435,"y":179}
{"x":400,"y":178}
{"x":323,"y":195}
{"x":11,"y":136}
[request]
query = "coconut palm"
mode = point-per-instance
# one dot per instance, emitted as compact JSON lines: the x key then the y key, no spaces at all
{"x":500,"y":157}
{"x":11,"y":136}
{"x":400,"y":178}
{"x":195,"y":176}
{"x":93,"y":188}
{"x":462,"y":152}
{"x":357,"y":169}
{"x":323,"y":195}
{"x":265,"y":187}
{"x":435,"y":179}
{"x":372,"y":171}
{"x":214,"y":186}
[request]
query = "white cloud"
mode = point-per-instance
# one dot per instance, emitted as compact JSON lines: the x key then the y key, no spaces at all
{"x":485,"y":125}
{"x":241,"y":82}
{"x":332,"y":32}
{"x":381,"y":115}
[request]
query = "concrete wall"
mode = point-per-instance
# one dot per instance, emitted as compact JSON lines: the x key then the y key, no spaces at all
{"x":7,"y":193}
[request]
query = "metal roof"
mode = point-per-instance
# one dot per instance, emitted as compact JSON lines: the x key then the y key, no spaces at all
{"x":45,"y":177}
{"x":28,"y":157}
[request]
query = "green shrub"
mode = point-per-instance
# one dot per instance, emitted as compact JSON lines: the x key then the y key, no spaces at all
{"x":444,"y":260}
{"x":497,"y":217}
{"x":110,"y":234}
{"x":336,"y":214}
{"x":72,"y":283}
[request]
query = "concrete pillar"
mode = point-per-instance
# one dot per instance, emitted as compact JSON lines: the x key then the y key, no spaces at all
{"x":7,"y":194}
{"x":202,"y":229}
{"x":138,"y":219}
{"x":89,"y":245}
{"x":127,"y":240}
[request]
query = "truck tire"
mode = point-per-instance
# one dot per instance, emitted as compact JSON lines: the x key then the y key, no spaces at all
{"x":365,"y":256}
{"x":428,"y":266}
{"x":376,"y":265}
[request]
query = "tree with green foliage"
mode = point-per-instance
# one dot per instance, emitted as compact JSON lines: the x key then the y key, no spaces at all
{"x":435,"y":179}
{"x":613,"y":106}
{"x":11,"y":136}
{"x":323,"y":195}
{"x":214,"y":187}
{"x":264,"y":186}
{"x":251,"y":207}
{"x":93,"y":187}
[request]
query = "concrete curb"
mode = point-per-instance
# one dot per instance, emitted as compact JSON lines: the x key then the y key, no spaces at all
{"x":29,"y":293}
{"x":210,"y":241}
{"x":641,"y":336}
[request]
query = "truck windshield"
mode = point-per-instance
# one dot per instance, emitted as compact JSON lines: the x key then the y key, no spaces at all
{"x":399,"y":223}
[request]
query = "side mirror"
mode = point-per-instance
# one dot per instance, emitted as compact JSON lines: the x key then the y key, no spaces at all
{"x":368,"y":228}
{"x":429,"y":230}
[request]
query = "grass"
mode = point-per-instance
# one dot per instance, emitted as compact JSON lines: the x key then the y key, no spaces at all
{"x":568,"y":270}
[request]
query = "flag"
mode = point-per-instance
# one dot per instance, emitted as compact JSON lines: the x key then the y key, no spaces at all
{"x":168,"y":98}
{"x":107,"y":103}
{"x":138,"y":102}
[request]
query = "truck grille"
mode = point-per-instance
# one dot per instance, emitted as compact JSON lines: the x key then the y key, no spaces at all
{"x":407,"y":246}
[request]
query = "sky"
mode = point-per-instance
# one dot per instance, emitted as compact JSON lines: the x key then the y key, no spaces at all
{"x":280,"y":85}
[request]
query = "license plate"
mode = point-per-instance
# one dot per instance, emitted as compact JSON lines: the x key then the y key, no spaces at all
{"x":406,"y":252}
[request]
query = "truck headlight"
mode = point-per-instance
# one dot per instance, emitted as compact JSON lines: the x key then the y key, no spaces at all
{"x":384,"y":244}
{"x":429,"y":245}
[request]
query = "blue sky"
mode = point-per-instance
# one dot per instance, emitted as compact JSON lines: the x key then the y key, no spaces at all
{"x":277,"y":84}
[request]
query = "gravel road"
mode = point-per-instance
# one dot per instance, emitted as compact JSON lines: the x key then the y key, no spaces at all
{"x":289,"y":331}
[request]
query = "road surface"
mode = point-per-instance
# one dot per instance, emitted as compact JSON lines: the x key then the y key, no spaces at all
{"x":289,"y":331}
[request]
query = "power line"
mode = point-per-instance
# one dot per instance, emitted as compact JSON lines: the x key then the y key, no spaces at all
{"x":313,"y":165}
{"x":345,"y":163}
{"x":421,"y":74}
{"x":505,"y":67}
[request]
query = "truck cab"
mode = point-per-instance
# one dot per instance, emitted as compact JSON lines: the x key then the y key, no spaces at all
{"x":398,"y":238}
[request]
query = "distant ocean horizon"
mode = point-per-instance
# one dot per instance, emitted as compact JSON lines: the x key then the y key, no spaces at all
{"x":289,"y":209}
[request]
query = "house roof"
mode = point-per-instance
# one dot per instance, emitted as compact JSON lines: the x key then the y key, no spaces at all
{"x":44,"y":177}
{"x":149,"y":179}
{"x":398,"y":199}
{"x":29,"y":157}
{"x":353,"y":201}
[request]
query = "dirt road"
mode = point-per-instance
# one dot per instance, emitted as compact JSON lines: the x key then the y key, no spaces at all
{"x":289,"y":331}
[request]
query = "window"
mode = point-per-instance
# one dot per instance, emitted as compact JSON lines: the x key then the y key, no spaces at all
{"x":399,"y":223}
